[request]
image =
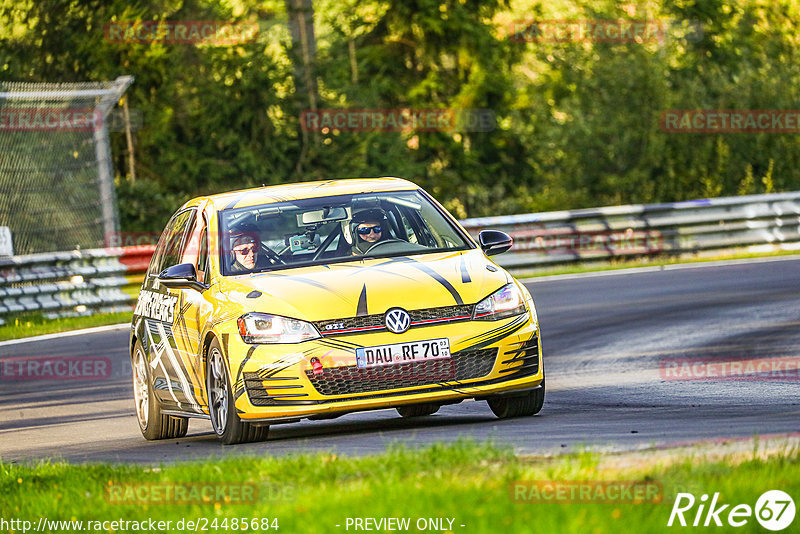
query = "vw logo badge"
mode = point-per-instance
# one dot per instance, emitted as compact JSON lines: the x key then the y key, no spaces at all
{"x":397,"y":320}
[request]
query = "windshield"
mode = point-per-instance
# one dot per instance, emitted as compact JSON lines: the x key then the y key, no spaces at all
{"x":333,"y":229}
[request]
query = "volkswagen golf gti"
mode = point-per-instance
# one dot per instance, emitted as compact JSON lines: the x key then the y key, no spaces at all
{"x":319,"y":299}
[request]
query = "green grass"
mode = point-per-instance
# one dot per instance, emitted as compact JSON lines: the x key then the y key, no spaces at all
{"x":620,"y":264}
{"x":465,"y":481}
{"x":35,"y":324}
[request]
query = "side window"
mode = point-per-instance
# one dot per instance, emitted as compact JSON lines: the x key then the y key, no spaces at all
{"x":195,"y":250}
{"x":155,"y":261}
{"x":172,"y":246}
{"x":202,"y":260}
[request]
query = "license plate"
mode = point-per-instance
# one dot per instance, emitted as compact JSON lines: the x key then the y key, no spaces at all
{"x":397,"y":353}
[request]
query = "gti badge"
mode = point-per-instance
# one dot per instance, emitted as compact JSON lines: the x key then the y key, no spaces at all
{"x":397,"y":320}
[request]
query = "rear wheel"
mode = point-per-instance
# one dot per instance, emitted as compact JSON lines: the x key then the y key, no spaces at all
{"x":519,"y":406}
{"x":230,"y":429}
{"x":418,"y":410}
{"x":152,"y":423}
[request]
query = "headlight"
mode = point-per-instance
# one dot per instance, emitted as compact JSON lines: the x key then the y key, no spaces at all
{"x":266,"y":328}
{"x":505,"y":302}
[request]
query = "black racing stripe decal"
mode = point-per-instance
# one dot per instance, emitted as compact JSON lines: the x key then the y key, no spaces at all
{"x":498,"y":337}
{"x":521,"y":319}
{"x":275,"y":370}
{"x":247,"y":357}
{"x":497,"y":329}
{"x":323,"y":184}
{"x":439,"y":278}
{"x":184,"y":329}
{"x":430,"y":272}
{"x":222,"y":319}
{"x":310,"y":282}
{"x":179,"y":371}
{"x":362,"y":303}
{"x":398,"y":259}
{"x":373,"y":269}
{"x":465,"y":278}
{"x":233,"y":202}
{"x":340,"y":344}
{"x":510,"y":329}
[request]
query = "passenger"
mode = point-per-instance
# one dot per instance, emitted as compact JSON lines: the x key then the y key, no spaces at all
{"x":368,"y":227}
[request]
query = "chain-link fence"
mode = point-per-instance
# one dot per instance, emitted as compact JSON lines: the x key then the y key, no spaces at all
{"x":56,"y":178}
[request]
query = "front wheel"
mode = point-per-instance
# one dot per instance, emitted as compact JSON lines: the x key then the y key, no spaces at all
{"x":152,"y":423}
{"x":230,"y":429}
{"x":520,"y":406}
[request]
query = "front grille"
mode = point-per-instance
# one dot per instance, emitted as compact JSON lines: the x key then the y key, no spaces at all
{"x":375,"y":322}
{"x":439,"y":314}
{"x":464,"y":365}
{"x":339,"y":326}
{"x":266,"y":390}
{"x":527,"y":355}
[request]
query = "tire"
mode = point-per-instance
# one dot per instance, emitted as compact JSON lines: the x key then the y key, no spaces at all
{"x":418,"y":410}
{"x":228,"y":427}
{"x":153,"y":424}
{"x":521,"y":406}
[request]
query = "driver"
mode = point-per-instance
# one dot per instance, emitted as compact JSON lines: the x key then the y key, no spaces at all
{"x":244,"y":248}
{"x":368,"y":227}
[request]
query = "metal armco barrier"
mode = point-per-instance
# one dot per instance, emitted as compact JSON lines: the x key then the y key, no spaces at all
{"x":768,"y":222}
{"x":79,"y":282}
{"x":83,"y":282}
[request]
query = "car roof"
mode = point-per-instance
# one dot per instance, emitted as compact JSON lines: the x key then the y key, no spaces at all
{"x":295,"y":191}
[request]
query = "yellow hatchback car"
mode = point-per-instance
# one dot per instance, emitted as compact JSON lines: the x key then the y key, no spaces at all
{"x":314,"y":300}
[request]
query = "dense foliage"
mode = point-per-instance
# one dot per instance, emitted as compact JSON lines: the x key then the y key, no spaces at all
{"x":577,"y":122}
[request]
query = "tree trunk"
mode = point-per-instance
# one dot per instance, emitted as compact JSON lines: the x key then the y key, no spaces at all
{"x":304,"y":48}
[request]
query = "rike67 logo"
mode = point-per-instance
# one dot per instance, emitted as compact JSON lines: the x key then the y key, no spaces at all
{"x":774,"y":510}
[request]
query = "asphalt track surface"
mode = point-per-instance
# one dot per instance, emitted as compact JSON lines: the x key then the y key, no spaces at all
{"x":605,"y":338}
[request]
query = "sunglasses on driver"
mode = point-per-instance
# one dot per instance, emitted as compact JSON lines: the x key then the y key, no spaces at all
{"x":244,"y":251}
{"x":365,"y":230}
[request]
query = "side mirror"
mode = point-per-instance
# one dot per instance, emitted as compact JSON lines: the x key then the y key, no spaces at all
{"x":181,"y":276}
{"x":494,"y":242}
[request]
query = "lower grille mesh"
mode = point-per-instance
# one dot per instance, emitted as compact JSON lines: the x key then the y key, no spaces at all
{"x":267,"y":391}
{"x":524,"y":360}
{"x":464,"y":365}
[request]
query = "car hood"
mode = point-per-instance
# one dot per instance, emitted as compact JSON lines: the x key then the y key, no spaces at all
{"x":368,"y":287}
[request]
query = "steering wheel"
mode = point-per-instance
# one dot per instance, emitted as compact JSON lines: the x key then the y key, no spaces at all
{"x":384,"y":242}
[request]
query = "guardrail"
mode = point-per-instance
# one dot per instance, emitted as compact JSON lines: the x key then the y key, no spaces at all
{"x":763,"y":222}
{"x":74,"y":283}
{"x":88,"y":281}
